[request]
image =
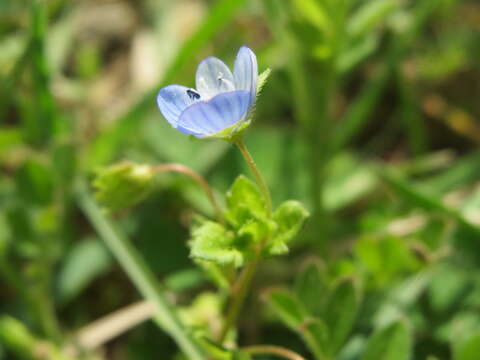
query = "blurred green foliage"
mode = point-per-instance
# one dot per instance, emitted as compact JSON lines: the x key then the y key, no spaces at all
{"x":370,"y":117}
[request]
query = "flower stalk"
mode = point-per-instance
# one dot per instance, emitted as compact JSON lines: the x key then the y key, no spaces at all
{"x":272,"y":350}
{"x":258,"y":176}
{"x":199,"y":180}
{"x":242,"y":286}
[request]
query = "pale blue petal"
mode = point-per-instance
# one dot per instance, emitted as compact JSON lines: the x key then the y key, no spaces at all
{"x":245,"y":72}
{"x":172,"y":100}
{"x":213,"y":77}
{"x":222,"y":111}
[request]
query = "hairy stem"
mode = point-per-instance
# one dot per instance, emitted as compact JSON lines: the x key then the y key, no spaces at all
{"x":238,"y":296}
{"x":242,"y":285}
{"x":199,"y":179}
{"x":258,"y":176}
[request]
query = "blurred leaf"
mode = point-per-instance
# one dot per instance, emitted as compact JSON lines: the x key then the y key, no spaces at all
{"x":392,"y":343}
{"x":215,"y":350}
{"x":316,"y":336}
{"x":9,"y":138}
{"x":16,"y":336}
{"x":21,"y":230}
{"x":292,"y":313}
{"x":35,"y":183}
{"x":215,"y":273}
{"x":183,"y":280}
{"x":311,"y":288}
{"x":290,"y":217}
{"x":356,"y":52}
{"x":203,"y":311}
{"x":448,"y":285}
{"x":64,"y":162}
{"x":349,"y":178}
{"x":40,"y":125}
{"x":287,"y":307}
{"x":463,"y":171}
{"x":424,"y":199}
{"x":85,"y":261}
{"x":240,"y":355}
{"x":362,"y":107}
{"x":401,"y":299}
{"x":340,"y":313}
{"x":123,"y":185}
{"x":316,"y":13}
{"x":370,"y":14}
{"x":386,"y":258}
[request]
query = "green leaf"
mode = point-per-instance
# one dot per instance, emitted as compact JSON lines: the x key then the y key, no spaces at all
{"x":17,"y":337}
{"x":122,"y":185}
{"x":291,"y":311}
{"x":289,"y":217}
{"x":262,"y":80}
{"x":468,"y":349}
{"x":447,"y":287}
{"x":316,"y":13}
{"x":369,"y":16}
{"x":288,"y":308}
{"x":241,"y":355}
{"x":255,"y":231}
{"x":215,"y":350}
{"x":316,"y":336}
{"x":340,"y":313}
{"x":392,"y":343}
{"x":244,"y":202}
{"x":211,"y":241}
{"x":310,"y":288}
{"x":85,"y":261}
{"x":215,"y":273}
{"x":35,"y":183}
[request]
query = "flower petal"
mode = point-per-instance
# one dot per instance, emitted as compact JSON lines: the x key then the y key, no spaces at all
{"x":245,"y":72}
{"x":208,"y":117}
{"x":213,"y":77}
{"x":172,"y":100}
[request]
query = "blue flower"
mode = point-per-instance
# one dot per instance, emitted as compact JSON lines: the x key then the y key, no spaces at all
{"x":221,"y":101}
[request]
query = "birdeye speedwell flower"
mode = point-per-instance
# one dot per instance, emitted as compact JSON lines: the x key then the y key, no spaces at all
{"x":222,"y":101}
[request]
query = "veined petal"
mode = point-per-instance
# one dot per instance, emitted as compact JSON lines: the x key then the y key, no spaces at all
{"x":172,"y":100}
{"x":213,"y":77}
{"x":220,"y":112}
{"x":245,"y":72}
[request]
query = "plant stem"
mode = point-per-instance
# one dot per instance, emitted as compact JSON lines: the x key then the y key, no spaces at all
{"x":238,"y":295}
{"x":242,"y":285}
{"x":199,"y":179}
{"x":258,"y":176}
{"x":274,"y":350}
{"x":138,"y":271}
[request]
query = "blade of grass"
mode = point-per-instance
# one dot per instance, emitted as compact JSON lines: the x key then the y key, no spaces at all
{"x":360,"y":110}
{"x":40,"y":120}
{"x":422,"y":199}
{"x":138,"y":271}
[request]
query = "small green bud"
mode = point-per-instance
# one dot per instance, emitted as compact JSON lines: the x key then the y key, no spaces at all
{"x":123,"y":185}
